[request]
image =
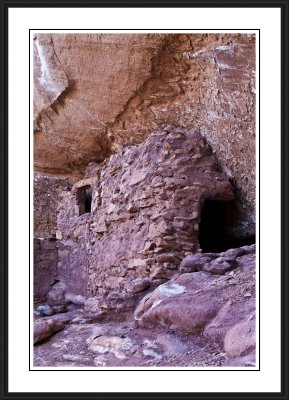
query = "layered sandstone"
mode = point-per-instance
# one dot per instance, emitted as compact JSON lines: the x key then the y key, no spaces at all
{"x":81,"y":84}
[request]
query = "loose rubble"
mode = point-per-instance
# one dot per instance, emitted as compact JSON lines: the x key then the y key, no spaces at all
{"x":196,"y":319}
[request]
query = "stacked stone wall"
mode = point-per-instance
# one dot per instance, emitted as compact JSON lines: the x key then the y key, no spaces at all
{"x":145,"y":213}
{"x":45,"y":267}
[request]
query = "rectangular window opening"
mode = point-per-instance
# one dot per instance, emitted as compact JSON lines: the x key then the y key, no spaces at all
{"x":84,"y":198}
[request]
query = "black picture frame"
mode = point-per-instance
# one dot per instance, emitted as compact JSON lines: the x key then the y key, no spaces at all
{"x":283,"y":5}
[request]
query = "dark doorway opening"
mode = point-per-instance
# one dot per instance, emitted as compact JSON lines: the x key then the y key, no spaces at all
{"x":84,"y":199}
{"x":217,"y":226}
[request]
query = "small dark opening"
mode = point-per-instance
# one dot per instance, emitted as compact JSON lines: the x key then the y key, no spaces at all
{"x":152,"y":246}
{"x":88,"y":198}
{"x":84,"y":198}
{"x":216,"y":227}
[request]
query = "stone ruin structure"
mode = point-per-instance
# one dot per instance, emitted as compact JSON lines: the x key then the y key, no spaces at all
{"x":138,"y":214}
{"x":144,"y":190}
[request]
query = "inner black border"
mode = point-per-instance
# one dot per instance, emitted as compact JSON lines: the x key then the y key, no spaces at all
{"x":147,"y":369}
{"x":284,"y":166}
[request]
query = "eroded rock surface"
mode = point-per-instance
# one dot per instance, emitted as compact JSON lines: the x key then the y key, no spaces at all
{"x":82,"y":82}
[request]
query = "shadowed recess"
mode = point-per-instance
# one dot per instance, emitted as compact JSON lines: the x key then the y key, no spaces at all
{"x":216,"y":227}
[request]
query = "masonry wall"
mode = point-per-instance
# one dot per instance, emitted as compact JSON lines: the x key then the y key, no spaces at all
{"x":45,"y":267}
{"x":145,"y":213}
{"x":47,"y":191}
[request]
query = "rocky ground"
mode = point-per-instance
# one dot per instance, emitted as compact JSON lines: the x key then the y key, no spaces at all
{"x":115,"y":344}
{"x":204,"y":316}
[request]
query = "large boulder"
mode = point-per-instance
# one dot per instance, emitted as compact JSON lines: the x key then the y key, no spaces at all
{"x":180,"y":305}
{"x":241,"y":339}
{"x":45,"y":327}
{"x":228,"y":316}
{"x":206,"y":303}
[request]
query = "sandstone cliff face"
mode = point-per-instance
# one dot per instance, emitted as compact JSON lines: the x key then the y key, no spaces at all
{"x":96,"y":93}
{"x":81,"y":84}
